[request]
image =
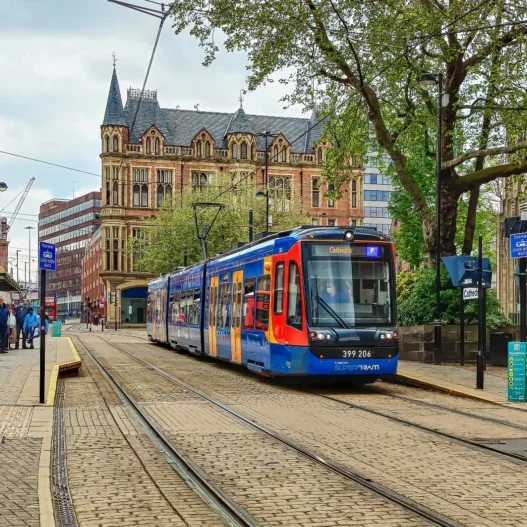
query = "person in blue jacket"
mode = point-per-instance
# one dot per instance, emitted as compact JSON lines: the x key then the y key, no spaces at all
{"x":20,"y":314}
{"x":31,"y":323}
{"x":4,"y":316}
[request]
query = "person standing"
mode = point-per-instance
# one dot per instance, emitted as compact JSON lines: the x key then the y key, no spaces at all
{"x":21,"y":312}
{"x":11,"y":322}
{"x":4,"y":327}
{"x":31,"y":323}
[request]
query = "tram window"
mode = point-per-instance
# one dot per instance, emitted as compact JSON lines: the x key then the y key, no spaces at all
{"x":197,"y":305}
{"x":249,"y":304}
{"x":279,"y":289}
{"x":175,"y":309}
{"x":294,"y":298}
{"x":182,"y":307}
{"x":223,"y":311}
{"x":212,"y":306}
{"x":263,"y":293}
{"x":190,"y":308}
{"x":237,"y":305}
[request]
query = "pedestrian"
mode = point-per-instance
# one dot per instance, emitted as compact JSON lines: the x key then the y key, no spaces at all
{"x":46,"y":325}
{"x":21,"y":312}
{"x":4,"y":327}
{"x":11,"y":322}
{"x":31,"y":323}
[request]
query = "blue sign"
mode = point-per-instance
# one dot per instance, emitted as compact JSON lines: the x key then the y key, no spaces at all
{"x":47,"y":256}
{"x":516,"y":366}
{"x":518,"y":245}
{"x":463,"y":271}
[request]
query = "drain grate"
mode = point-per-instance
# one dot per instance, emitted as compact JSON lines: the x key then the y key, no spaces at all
{"x":64,"y":511}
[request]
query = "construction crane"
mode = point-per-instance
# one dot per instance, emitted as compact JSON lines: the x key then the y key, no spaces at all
{"x":20,"y":202}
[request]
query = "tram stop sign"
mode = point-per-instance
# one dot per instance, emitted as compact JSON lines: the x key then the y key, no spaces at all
{"x":47,"y":256}
{"x":463,"y":271}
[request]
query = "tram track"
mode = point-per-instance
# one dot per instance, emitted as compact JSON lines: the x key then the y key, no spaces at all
{"x":446,"y":435}
{"x":191,"y":473}
{"x":421,"y":511}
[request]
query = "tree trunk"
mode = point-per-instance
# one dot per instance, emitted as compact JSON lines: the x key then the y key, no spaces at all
{"x":470,"y":224}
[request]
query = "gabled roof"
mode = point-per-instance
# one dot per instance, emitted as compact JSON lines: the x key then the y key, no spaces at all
{"x":239,"y":123}
{"x":180,"y":127}
{"x":114,"y":114}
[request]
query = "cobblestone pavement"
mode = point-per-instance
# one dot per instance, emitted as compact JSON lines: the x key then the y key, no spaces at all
{"x":19,"y":460}
{"x":275,"y":484}
{"x":465,"y":484}
{"x":117,"y":477}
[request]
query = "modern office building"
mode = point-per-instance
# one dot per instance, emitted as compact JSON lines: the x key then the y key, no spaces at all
{"x":69,"y":224}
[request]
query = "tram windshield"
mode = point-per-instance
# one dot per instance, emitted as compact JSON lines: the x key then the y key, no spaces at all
{"x":347,"y":285}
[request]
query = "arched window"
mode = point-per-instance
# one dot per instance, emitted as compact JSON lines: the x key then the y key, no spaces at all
{"x":354,"y":186}
{"x":115,"y":194}
{"x":148,"y":146}
{"x":107,"y":144}
{"x":168,"y":193}
{"x":203,"y":181}
{"x":198,"y":148}
{"x":195,"y":180}
{"x":243,"y":150}
{"x":136,"y":200}
{"x":157,"y":146}
{"x":107,"y":193}
{"x":144,"y":196}
{"x":207,"y":149}
{"x":284,"y":155}
{"x":319,"y":155}
{"x":354,"y":193}
{"x":108,"y":259}
{"x":235,"y":151}
{"x":115,"y":144}
{"x":160,"y":195}
{"x":275,"y":154}
{"x":115,"y":266}
{"x":315,"y":193}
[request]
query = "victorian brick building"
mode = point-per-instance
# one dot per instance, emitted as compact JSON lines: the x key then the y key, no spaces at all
{"x":151,"y":153}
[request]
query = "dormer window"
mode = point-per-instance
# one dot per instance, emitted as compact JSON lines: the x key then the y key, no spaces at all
{"x":157,"y":146}
{"x":235,"y":151}
{"x":207,"y":149}
{"x":198,"y":148}
{"x":319,"y":155}
{"x":275,"y":154}
{"x":148,"y":146}
{"x":115,"y":144}
{"x":284,"y":155}
{"x":243,"y":150}
{"x":106,"y":144}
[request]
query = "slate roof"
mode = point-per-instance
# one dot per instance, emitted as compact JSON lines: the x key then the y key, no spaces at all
{"x":180,"y":127}
{"x":114,"y":106}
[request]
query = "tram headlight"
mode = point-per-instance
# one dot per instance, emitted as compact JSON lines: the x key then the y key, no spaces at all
{"x":349,"y":236}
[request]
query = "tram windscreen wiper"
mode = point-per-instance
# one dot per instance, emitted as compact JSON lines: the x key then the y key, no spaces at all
{"x":339,"y":320}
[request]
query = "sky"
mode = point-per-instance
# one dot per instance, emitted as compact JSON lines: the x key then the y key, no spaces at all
{"x":56,"y":65}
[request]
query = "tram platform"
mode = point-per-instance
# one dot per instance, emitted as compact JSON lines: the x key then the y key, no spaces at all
{"x":456,"y":380}
{"x":26,"y":428}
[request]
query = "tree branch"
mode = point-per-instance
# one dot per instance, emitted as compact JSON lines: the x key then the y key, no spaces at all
{"x":470,"y":181}
{"x":495,"y":47}
{"x":484,"y":152}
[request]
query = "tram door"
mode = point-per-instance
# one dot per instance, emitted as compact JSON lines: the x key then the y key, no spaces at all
{"x":237,"y":295}
{"x":213,"y":311}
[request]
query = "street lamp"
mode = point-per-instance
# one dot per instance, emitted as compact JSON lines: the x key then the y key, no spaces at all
{"x":265,"y":193}
{"x":3,"y":186}
{"x":427,"y":82}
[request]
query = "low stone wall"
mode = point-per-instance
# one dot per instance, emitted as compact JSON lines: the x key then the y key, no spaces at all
{"x":416,"y":343}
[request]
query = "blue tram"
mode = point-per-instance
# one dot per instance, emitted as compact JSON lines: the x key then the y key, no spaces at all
{"x":310,"y":301}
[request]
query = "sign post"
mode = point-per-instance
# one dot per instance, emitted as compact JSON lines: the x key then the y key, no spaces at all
{"x":47,"y":261}
{"x":518,"y":249}
{"x":516,"y":371}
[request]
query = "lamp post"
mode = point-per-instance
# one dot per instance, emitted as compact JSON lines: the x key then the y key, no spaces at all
{"x":427,"y":82}
{"x":29,"y":229}
{"x":3,"y":186}
{"x":17,"y":251}
{"x":265,"y":193}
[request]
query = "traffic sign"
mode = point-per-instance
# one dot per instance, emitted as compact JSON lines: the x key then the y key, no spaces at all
{"x":518,"y":245}
{"x":516,"y":371}
{"x":470,"y":293}
{"x":463,"y":271}
{"x":47,"y":256}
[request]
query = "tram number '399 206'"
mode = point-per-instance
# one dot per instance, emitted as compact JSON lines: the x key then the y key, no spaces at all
{"x":356,"y":354}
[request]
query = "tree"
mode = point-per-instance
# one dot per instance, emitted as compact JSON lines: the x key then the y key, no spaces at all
{"x":160,"y":247}
{"x":367,"y":58}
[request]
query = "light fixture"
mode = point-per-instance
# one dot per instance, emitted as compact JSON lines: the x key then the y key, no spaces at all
{"x":349,"y":236}
{"x":427,"y":81}
{"x":260,"y":194}
{"x":3,"y":186}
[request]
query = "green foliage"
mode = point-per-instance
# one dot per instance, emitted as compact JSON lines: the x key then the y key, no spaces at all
{"x":361,"y":62}
{"x":160,"y":247}
{"x":416,"y":301}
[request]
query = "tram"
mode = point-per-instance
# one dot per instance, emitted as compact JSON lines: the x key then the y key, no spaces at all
{"x":312,"y":301}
